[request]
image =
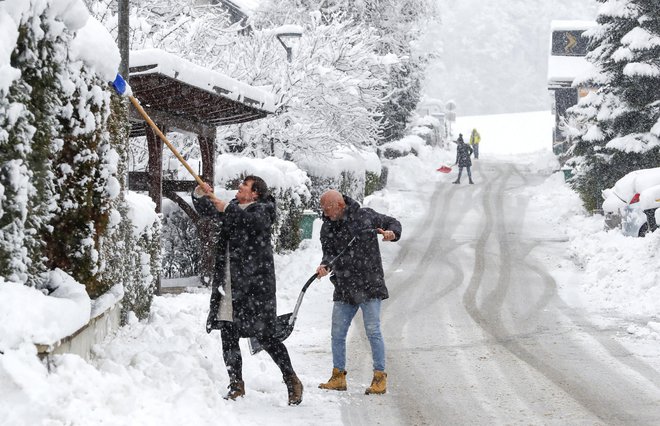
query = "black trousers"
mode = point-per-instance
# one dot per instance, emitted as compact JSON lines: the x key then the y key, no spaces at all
{"x":231,"y":352}
{"x":460,"y":172}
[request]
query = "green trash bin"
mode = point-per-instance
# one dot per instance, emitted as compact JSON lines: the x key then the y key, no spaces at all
{"x":307,"y":224}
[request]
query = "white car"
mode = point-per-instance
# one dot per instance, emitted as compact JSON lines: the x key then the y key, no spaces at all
{"x":632,"y":203}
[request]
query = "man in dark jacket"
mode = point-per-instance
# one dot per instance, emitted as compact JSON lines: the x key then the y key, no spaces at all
{"x":358,"y":279}
{"x":243,"y":302}
{"x":463,"y":153}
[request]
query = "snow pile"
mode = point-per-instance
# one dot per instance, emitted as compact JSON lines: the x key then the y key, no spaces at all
{"x":619,"y":274}
{"x":406,"y":144}
{"x":405,"y":176}
{"x":29,"y":315}
{"x":95,"y":46}
{"x":141,"y":212}
{"x":8,"y":36}
{"x":343,"y":159}
{"x":278,"y":174}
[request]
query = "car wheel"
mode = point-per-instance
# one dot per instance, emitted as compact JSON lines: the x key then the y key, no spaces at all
{"x":650,"y":219}
{"x":643,"y":230}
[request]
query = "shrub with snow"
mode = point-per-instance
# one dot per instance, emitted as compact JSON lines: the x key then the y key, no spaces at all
{"x":62,"y":150}
{"x":286,"y":182}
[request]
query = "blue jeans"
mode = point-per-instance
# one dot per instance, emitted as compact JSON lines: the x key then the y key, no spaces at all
{"x":342,"y":316}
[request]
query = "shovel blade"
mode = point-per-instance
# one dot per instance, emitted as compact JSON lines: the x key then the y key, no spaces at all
{"x":444,"y":169}
{"x":282,"y":330}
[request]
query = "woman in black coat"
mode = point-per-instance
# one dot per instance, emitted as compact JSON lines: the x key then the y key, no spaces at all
{"x":463,"y":153}
{"x":243,"y":302}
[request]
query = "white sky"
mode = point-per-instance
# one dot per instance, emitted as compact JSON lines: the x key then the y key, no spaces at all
{"x":168,"y":371}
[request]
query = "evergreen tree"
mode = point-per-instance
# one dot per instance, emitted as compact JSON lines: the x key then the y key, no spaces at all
{"x":31,"y":137}
{"x":636,"y":71}
{"x":616,"y":129}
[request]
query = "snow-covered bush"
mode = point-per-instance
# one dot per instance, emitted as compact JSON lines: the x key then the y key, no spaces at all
{"x":142,"y":254}
{"x":180,"y":243}
{"x":62,"y":149}
{"x":374,"y":182}
{"x":286,"y":182}
{"x":29,"y":101}
{"x":410,"y":144}
{"x":346,"y":171}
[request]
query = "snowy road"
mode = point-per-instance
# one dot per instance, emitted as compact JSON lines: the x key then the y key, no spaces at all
{"x":476,"y":333}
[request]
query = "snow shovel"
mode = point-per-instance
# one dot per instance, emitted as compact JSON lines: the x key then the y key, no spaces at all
{"x":444,"y":169}
{"x":285,"y":323}
{"x":120,"y":87}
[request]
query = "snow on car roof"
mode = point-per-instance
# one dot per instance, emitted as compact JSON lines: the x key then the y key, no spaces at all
{"x":636,"y":181}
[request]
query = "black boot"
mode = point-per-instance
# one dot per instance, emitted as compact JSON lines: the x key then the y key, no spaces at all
{"x":456,"y":181}
{"x":295,"y":389}
{"x":236,"y":389}
{"x":471,"y":183}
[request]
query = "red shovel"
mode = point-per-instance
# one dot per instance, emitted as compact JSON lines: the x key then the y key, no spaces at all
{"x":444,"y":169}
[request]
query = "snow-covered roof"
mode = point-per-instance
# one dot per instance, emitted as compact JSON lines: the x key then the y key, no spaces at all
{"x":245,"y":6}
{"x":562,"y":70}
{"x":564,"y":25}
{"x":150,"y":61}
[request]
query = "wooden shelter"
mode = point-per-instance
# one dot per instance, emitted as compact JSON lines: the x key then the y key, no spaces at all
{"x":179,"y":95}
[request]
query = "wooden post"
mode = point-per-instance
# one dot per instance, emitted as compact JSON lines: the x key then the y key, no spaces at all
{"x":155,"y":169}
{"x":207,"y":148}
{"x":205,"y":226}
{"x":155,"y":147}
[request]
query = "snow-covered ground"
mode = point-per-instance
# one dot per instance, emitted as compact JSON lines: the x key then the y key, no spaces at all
{"x":169,"y":371}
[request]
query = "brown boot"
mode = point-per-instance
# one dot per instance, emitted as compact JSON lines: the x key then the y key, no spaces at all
{"x":378,"y":384}
{"x":336,"y":382}
{"x":236,"y":389}
{"x":295,"y":389}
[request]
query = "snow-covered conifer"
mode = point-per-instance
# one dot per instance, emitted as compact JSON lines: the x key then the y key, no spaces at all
{"x":30,"y":137}
{"x":616,"y":128}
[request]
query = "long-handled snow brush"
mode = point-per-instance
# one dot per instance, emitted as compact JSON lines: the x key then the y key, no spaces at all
{"x":123,"y":89}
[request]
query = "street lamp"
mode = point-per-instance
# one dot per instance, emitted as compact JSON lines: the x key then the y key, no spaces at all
{"x":288,"y":35}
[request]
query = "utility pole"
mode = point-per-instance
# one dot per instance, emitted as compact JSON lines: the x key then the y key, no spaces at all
{"x":451,"y":116}
{"x":122,"y":36}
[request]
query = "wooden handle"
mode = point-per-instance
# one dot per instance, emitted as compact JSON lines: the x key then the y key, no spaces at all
{"x":160,"y":134}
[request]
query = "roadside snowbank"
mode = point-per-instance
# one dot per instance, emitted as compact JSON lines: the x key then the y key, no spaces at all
{"x":29,"y":315}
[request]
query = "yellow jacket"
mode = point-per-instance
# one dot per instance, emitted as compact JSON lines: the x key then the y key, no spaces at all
{"x":475,"y":138}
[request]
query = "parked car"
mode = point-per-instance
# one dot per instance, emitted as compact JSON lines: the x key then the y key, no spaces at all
{"x":632,"y":203}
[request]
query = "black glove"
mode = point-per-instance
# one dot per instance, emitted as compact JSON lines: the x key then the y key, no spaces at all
{"x":213,"y":311}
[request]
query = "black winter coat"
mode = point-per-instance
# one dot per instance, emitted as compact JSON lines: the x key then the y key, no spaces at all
{"x":247,"y":233}
{"x":463,"y":153}
{"x":358,"y":274}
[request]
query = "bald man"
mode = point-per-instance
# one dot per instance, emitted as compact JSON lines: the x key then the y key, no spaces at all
{"x":358,"y":279}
